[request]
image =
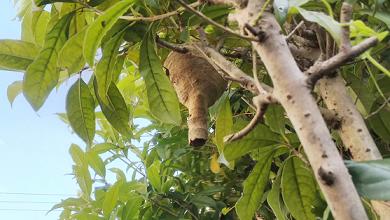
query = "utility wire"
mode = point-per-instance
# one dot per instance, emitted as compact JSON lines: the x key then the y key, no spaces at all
{"x":33,"y":202}
{"x":31,"y":210}
{"x":34,"y":194}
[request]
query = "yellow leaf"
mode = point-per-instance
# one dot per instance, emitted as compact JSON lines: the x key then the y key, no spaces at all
{"x":214,"y":165}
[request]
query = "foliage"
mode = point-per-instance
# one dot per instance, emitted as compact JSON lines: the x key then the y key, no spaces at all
{"x":161,"y":177}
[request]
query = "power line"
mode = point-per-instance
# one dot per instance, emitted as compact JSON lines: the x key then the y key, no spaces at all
{"x":34,"y":194}
{"x":31,"y":210}
{"x":37,"y":202}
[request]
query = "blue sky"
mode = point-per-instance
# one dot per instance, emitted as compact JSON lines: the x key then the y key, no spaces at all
{"x":33,"y":146}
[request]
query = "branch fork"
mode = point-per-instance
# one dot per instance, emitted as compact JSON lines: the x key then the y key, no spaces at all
{"x":346,"y":51}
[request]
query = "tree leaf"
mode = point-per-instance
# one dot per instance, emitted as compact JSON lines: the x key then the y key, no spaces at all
{"x":14,"y":90}
{"x":96,"y":163}
{"x":325,"y":21}
{"x":106,"y":66}
{"x":261,"y":136}
{"x":103,"y":147}
{"x":16,"y":55}
{"x":80,"y":109}
{"x":131,"y":209}
{"x":116,"y":112}
{"x":371,"y":178}
{"x":380,"y":123}
{"x":275,"y":118}
{"x":162,"y":99}
{"x":45,"y":2}
{"x":78,"y":155}
{"x":111,"y":198}
{"x":224,"y":122}
{"x":42,"y":75}
{"x":40,"y":20}
{"x":84,"y":180}
{"x":71,"y":56}
{"x":298,"y":189}
{"x":254,"y":187}
{"x":100,"y":27}
{"x":154,"y":176}
{"x":280,"y":10}
{"x":273,"y":198}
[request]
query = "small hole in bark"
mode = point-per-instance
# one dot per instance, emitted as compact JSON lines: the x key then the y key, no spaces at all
{"x":327,"y":177}
{"x":368,"y":150}
{"x":359,"y":130}
{"x":306,"y":115}
{"x":324,"y":156}
{"x":289,"y":97}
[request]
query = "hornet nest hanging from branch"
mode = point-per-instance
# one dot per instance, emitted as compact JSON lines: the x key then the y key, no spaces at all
{"x":198,"y":86}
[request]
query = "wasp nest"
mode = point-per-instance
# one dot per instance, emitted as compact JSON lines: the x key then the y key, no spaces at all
{"x":198,"y":85}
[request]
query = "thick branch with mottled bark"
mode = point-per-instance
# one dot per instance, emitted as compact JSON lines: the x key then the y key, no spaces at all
{"x":291,"y":90}
{"x":353,"y":130}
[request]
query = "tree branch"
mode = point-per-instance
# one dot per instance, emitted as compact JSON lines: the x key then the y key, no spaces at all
{"x":211,"y":21}
{"x":261,"y":107}
{"x":320,"y":69}
{"x":346,"y":53}
{"x":175,"y":47}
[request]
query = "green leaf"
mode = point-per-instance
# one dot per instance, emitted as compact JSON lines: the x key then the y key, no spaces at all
{"x":71,"y":56}
{"x":100,"y":27}
{"x":132,"y":208}
{"x":154,"y":176}
{"x":275,"y":118}
{"x":96,"y":163}
{"x":40,"y":20}
{"x":42,"y":75}
{"x":84,"y":180}
{"x":162,"y":99}
{"x":327,"y":22}
{"x":254,"y":187}
{"x":80,"y":109}
{"x":261,"y":136}
{"x":380,"y":123}
{"x":14,"y":90}
{"x":371,"y":178}
{"x":45,"y":2}
{"x":116,"y":112}
{"x":106,"y":66}
{"x":298,"y":189}
{"x":224,"y":122}
{"x":16,"y":55}
{"x":297,"y":3}
{"x":280,"y":10}
{"x":77,"y":154}
{"x":381,"y":15}
{"x":111,"y":198}
{"x":273,"y":199}
{"x":202,"y":201}
{"x":103,"y":147}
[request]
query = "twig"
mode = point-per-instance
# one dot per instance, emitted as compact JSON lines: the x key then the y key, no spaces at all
{"x":320,"y":69}
{"x":294,"y":30}
{"x":345,"y":19}
{"x":202,"y":36}
{"x":379,"y":109}
{"x":174,"y":47}
{"x":261,"y":107}
{"x":158,"y":17}
{"x":211,"y":21}
{"x":255,"y":77}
